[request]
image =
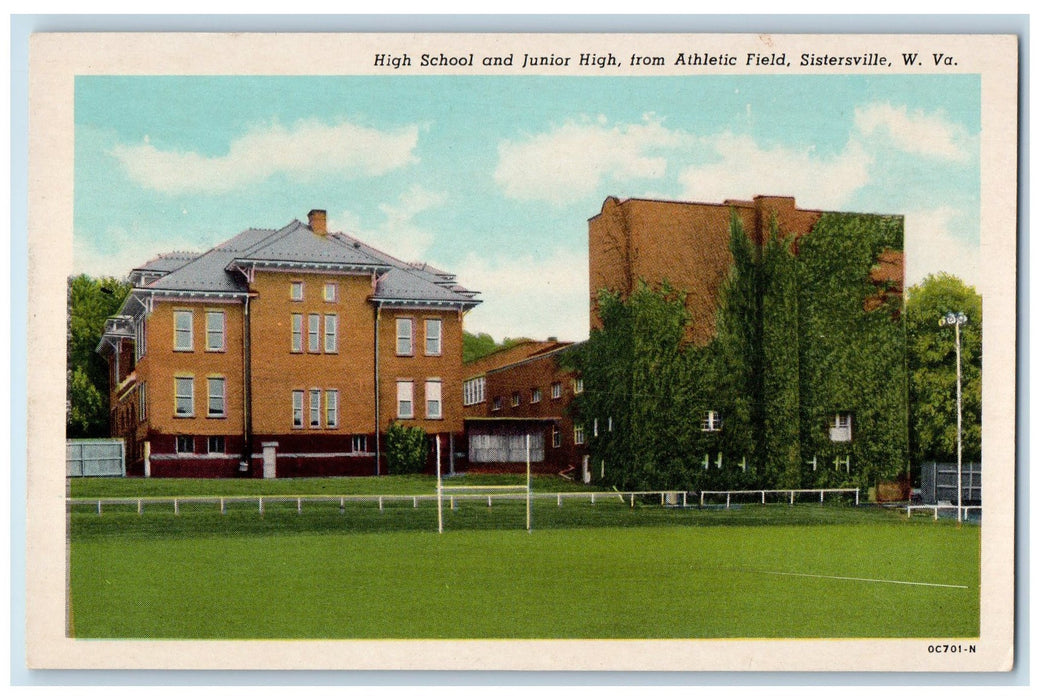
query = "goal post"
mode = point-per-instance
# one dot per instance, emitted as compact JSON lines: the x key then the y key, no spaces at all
{"x":512,"y":490}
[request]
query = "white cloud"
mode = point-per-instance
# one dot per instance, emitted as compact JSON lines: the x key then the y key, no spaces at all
{"x":528,"y":296}
{"x":308,"y":149}
{"x":930,"y":135}
{"x":120,"y":251}
{"x":572,"y":161}
{"x":397,"y":234}
{"x":746,"y":169}
{"x":931,"y":247}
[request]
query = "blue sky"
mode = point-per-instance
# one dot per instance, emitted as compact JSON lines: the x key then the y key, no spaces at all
{"x":494,"y":178}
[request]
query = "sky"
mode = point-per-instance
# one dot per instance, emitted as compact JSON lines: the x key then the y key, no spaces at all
{"x":495,"y":178}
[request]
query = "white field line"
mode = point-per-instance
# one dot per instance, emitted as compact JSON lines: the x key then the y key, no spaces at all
{"x":867,"y":580}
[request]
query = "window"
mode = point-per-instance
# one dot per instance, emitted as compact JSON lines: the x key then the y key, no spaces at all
{"x":359,"y":443}
{"x":433,"y":399}
{"x":579,"y":435}
{"x":297,"y":332}
{"x":216,"y":397}
{"x":556,"y":390}
{"x":296,"y":291}
{"x":433,"y":336}
{"x":142,"y":402}
{"x":185,"y":444}
{"x":140,"y":339}
{"x":515,"y":401}
{"x":328,"y":292}
{"x":331,"y":342}
{"x":496,"y":405}
{"x":314,"y":333}
{"x":712,"y":422}
{"x":404,"y":336}
{"x":331,"y":408}
{"x":215,"y":331}
{"x":473,"y":391}
{"x":184,"y":396}
{"x":404,"y":400}
{"x":215,"y":444}
{"x":182,"y":331}
{"x":315,"y":408}
{"x":297,"y":409}
{"x":841,"y":427}
{"x":579,"y":385}
{"x":536,"y":395}
{"x":556,"y":439}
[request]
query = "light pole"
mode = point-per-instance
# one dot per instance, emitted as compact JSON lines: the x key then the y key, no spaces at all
{"x":957,"y":320}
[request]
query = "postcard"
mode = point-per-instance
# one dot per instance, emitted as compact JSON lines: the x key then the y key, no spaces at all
{"x":537,"y":352}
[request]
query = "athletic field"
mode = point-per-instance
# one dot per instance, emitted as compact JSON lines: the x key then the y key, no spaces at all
{"x":603,"y":570}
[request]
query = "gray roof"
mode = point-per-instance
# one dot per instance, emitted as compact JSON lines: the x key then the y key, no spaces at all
{"x":168,"y":262}
{"x":295,"y":246}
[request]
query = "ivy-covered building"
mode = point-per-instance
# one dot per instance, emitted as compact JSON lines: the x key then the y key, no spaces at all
{"x":748,"y":344}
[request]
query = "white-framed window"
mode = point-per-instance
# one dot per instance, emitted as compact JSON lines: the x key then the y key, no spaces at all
{"x":496,"y":404}
{"x":314,"y":333}
{"x":331,"y":332}
{"x":536,"y":395}
{"x":433,"y":336}
{"x":215,"y":444}
{"x":297,"y":332}
{"x":841,"y":427}
{"x":712,"y":422}
{"x":359,"y":443}
{"x":296,"y":290}
{"x":215,"y":331}
{"x":183,"y":340}
{"x":473,"y":391}
{"x":216,"y":397}
{"x":328,"y":291}
{"x":297,"y":409}
{"x":142,"y":401}
{"x":404,"y":336}
{"x":184,"y":396}
{"x":315,"y":406}
{"x":405,"y":405}
{"x":515,"y":400}
{"x":433,"y":399}
{"x":579,"y":434}
{"x":556,"y":436}
{"x":331,"y":408}
{"x":579,"y":385}
{"x":185,"y":444}
{"x":140,"y":339}
{"x":555,"y":390}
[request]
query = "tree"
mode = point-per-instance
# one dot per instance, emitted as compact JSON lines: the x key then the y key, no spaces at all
{"x":406,"y":449}
{"x":477,"y":346}
{"x":91,"y":301}
{"x":931,"y":360}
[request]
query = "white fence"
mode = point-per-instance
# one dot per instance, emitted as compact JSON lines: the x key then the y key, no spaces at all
{"x":262,"y":502}
{"x":95,"y":458}
{"x":790,"y":493}
{"x":935,"y":508}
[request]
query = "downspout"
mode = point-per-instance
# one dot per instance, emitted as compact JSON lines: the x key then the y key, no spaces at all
{"x":375,"y":391}
{"x":245,"y":465}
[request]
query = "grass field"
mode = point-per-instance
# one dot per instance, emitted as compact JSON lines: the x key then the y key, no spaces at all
{"x":586,"y":571}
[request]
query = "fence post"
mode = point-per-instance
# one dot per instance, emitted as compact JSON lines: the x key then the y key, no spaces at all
{"x":727,"y":500}
{"x":260,"y":501}
{"x":593,"y":499}
{"x":221,"y":506}
{"x":139,"y":507}
{"x":380,"y":503}
{"x":299,"y":506}
{"x":631,"y":500}
{"x":415,"y":501}
{"x":683,"y":499}
{"x":176,"y":507}
{"x":99,"y":507}
{"x":763,"y":498}
{"x":821,"y":497}
{"x":559,"y":500}
{"x":792,"y":497}
{"x":857,"y":496}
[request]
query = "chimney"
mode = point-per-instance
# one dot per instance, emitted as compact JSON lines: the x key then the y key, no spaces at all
{"x":316,"y":220}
